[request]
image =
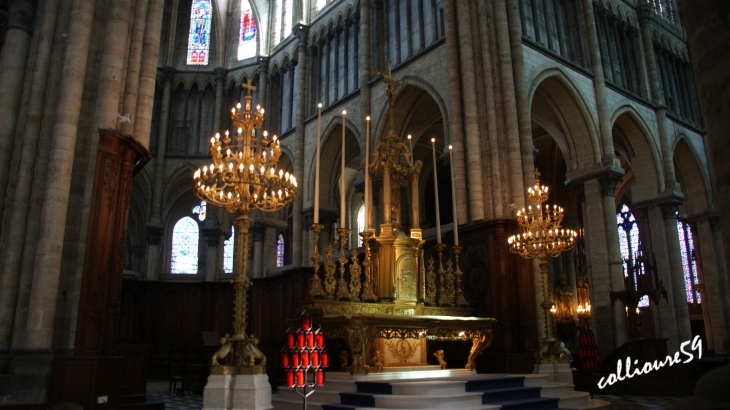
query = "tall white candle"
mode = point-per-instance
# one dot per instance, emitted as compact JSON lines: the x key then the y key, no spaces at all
{"x":367,"y":172}
{"x":453,"y":196}
{"x":436,"y":191}
{"x":342,"y":174}
{"x":316,"y":164}
{"x":410,"y":144}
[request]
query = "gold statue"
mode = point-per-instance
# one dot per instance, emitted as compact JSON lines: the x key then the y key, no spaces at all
{"x":440,"y":357}
{"x":222,"y":352}
{"x":564,"y":298}
{"x":344,"y":360}
{"x":378,"y":361}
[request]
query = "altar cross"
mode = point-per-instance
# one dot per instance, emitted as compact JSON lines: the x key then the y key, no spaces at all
{"x":392,"y":84}
{"x":248,"y":85}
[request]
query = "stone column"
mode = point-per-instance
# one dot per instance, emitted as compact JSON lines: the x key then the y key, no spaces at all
{"x":257,"y":233}
{"x":269,"y":114}
{"x":134,"y":63}
{"x":615,"y":267}
{"x":213,"y":264}
{"x":299,"y":258}
{"x":280,"y":114}
{"x":153,"y":235}
{"x":645,"y":17}
{"x":46,"y":274}
{"x":421,"y":28}
{"x":456,"y":130}
{"x":148,"y":73}
{"x":346,"y":56}
{"x":471,"y":153}
{"x":337,"y":33}
{"x":327,"y":40}
{"x":365,"y":61}
{"x":13,"y":59}
{"x":263,"y":69}
{"x":608,"y":157}
{"x":511,"y":127}
{"x":711,"y":288}
{"x":14,"y":238}
{"x":722,"y":281}
{"x":492,"y":133}
{"x":220,"y":77}
{"x":676,"y":287}
{"x":293,"y":74}
{"x":156,"y":219}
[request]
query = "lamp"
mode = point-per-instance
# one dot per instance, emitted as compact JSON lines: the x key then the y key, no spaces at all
{"x":244,"y":177}
{"x":543,"y":238}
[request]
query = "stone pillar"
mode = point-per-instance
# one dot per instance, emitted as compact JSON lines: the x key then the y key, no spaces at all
{"x":293,"y":73}
{"x":499,"y":204}
{"x":213,"y":264}
{"x":711,"y":287}
{"x":298,"y":255}
{"x":471,"y":150}
{"x":154,"y":239}
{"x":268,"y":122}
{"x":722,"y":280}
{"x":13,"y":59}
{"x":511,"y":127}
{"x":456,"y":130}
{"x":220,"y":77}
{"x":608,"y":188}
{"x":257,"y":233}
{"x":148,"y":73}
{"x":156,"y":218}
{"x":676,"y":286}
{"x":14,"y":238}
{"x":608,"y":157}
{"x":665,"y":135}
{"x":263,"y":69}
{"x":46,"y":274}
{"x":134,"y":63}
{"x":346,"y":56}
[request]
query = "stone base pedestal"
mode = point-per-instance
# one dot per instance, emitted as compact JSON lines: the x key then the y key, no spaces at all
{"x":237,"y":392}
{"x":559,"y":372}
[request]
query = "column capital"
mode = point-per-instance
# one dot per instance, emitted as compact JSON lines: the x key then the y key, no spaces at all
{"x":645,"y":13}
{"x":301,"y":31}
{"x":167,"y":74}
{"x":154,"y":234}
{"x":668,"y":201}
{"x":714,"y":223}
{"x":312,"y":50}
{"x":258,"y":232}
{"x":212,"y":236}
{"x":281,"y":71}
{"x":669,"y":210}
{"x":291,"y":64}
{"x":326,"y":217}
{"x":613,"y":20}
{"x":263,"y":64}
{"x":220,"y":74}
{"x":21,"y":15}
{"x":604,"y":175}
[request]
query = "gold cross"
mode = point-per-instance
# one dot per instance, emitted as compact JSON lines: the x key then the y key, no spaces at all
{"x":537,"y":175}
{"x":390,"y":82}
{"x":248,"y":85}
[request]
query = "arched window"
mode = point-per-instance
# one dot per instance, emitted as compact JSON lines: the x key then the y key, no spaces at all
{"x":247,"y":34}
{"x":663,"y":8}
{"x":689,"y":266}
{"x":201,"y":14}
{"x":228,"y":248}
{"x":185,"y":247}
{"x":628,"y":238}
{"x":283,"y":25}
{"x":280,"y":251}
{"x":360,"y":224}
{"x":320,"y":4}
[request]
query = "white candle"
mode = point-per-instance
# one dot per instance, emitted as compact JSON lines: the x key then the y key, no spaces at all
{"x":410,"y":144}
{"x":367,"y":172}
{"x":436,"y":191}
{"x":342,"y":174}
{"x":316,"y":164}
{"x":453,"y":196}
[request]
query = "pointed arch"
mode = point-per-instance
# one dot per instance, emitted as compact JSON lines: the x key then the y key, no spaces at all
{"x":692,"y":178}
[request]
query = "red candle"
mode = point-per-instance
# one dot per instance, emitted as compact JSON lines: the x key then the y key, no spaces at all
{"x":300,"y":377}
{"x":295,"y":359}
{"x":290,"y":338}
{"x":319,"y":373}
{"x":300,"y":339}
{"x":290,"y":377}
{"x":306,"y":320}
{"x":284,"y":358}
{"x":305,"y":358}
{"x":325,"y":359}
{"x":310,"y":340}
{"x":320,"y":340}
{"x":315,"y":358}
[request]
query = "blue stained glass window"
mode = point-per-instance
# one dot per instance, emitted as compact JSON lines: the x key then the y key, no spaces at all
{"x":360,"y":223}
{"x":185,"y":247}
{"x":247,"y":38}
{"x":689,"y":266}
{"x":201,"y":14}
{"x":228,"y":248}
{"x":200,"y":211}
{"x":280,"y":251}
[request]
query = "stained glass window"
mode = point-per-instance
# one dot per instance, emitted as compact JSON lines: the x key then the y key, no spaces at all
{"x":320,"y":4}
{"x":201,"y":14}
{"x":185,"y":247}
{"x":200,"y":211}
{"x":247,"y":38}
{"x":228,"y":252}
{"x":360,"y":223}
{"x":283,"y":25}
{"x":628,"y":237}
{"x":280,"y":251}
{"x":689,"y":266}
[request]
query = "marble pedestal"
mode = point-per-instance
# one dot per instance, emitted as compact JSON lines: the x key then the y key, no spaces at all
{"x":558,"y":372}
{"x":237,"y":392}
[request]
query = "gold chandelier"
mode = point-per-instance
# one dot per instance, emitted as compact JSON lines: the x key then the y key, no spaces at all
{"x":543,"y":238}
{"x":243,"y":177}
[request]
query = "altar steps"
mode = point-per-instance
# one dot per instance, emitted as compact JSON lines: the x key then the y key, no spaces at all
{"x":461,"y":390}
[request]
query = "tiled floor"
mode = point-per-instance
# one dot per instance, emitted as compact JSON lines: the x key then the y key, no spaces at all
{"x":158,"y":390}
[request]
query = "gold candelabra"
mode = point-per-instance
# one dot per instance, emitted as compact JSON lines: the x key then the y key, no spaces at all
{"x":543,"y":238}
{"x":243,"y":177}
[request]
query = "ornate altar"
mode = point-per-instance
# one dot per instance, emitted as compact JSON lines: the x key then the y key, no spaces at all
{"x":389,"y":306}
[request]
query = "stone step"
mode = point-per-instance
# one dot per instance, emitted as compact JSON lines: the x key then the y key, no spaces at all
{"x":399,"y":375}
{"x":534,"y":403}
{"x":428,"y":388}
{"x":555,"y":389}
{"x":573,"y":399}
{"x":280,"y":403}
{"x":318,"y":395}
{"x":351,"y":407}
{"x":458,"y":400}
{"x":494,"y":396}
